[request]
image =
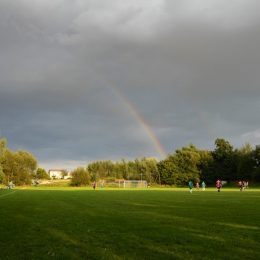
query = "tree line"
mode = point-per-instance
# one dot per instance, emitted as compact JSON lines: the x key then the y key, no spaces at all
{"x":224,"y":163}
{"x":187,"y":163}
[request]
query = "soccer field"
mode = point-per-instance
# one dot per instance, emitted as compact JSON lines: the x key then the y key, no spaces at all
{"x":80,"y":223}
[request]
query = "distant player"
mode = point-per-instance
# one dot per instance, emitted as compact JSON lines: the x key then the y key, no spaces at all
{"x":218,"y":185}
{"x":197,"y":186}
{"x":203,"y":185}
{"x":190,"y":186}
{"x":240,"y":185}
{"x":94,"y":185}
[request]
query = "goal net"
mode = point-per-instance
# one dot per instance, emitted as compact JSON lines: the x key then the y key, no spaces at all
{"x":134,"y":184}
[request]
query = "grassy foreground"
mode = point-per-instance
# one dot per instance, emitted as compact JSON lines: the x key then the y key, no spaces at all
{"x":79,"y":223}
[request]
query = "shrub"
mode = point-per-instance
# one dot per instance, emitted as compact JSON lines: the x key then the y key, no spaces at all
{"x":80,"y":177}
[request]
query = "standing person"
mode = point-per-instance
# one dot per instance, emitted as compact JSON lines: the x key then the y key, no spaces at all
{"x":94,"y":185}
{"x":240,"y":185}
{"x":10,"y":185}
{"x":102,"y":185}
{"x":247,"y":185}
{"x":203,"y":185}
{"x":218,"y":185}
{"x":198,"y":186}
{"x":190,"y":186}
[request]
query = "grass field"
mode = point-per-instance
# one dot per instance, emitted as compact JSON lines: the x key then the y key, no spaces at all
{"x":79,"y":223}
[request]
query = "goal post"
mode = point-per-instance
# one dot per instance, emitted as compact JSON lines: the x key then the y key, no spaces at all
{"x":134,"y":184}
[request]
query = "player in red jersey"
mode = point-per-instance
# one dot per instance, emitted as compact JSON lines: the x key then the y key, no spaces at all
{"x":240,"y":185}
{"x":218,"y":185}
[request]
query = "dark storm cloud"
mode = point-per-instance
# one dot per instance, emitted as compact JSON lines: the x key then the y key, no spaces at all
{"x":190,"y":70}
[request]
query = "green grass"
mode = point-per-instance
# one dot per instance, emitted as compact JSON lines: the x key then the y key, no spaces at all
{"x":79,"y":223}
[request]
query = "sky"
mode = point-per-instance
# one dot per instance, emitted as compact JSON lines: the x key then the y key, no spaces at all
{"x":89,"y":80}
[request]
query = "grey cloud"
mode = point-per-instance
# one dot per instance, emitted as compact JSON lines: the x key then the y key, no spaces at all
{"x":189,"y":70}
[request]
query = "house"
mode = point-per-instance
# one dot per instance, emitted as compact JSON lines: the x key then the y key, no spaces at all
{"x":55,"y":174}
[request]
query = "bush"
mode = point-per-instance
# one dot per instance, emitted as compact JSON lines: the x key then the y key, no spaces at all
{"x":80,"y":177}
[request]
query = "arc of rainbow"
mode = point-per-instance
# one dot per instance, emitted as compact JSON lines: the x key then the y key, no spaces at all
{"x":149,"y":132}
{"x":131,"y":109}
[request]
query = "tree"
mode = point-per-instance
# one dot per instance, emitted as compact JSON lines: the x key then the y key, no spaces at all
{"x":244,"y":162}
{"x":2,"y":148}
{"x":187,"y":160}
{"x":9,"y":164}
{"x":2,"y":175}
{"x":2,"y":158}
{"x":181,"y":167}
{"x":64,"y":173}
{"x":19,"y":166}
{"x":167,"y":169}
{"x":42,"y":174}
{"x":149,"y":169}
{"x":125,"y":169}
{"x":109,"y":168}
{"x":118,"y":171}
{"x":256,"y":163}
{"x":224,"y":160}
{"x":96,"y":170}
{"x":206,"y":167}
{"x":80,"y":177}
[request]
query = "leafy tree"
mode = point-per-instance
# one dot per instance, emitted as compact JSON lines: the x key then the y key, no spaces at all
{"x":181,"y":167}
{"x":132,"y":173}
{"x":19,"y":166}
{"x":80,"y":177}
{"x":167,"y":169}
{"x":256,"y":163}
{"x":2,"y":156}
{"x":118,"y":170}
{"x":224,"y":160}
{"x":125,"y":169}
{"x":96,"y":170}
{"x":187,"y":160}
{"x":9,"y":164}
{"x":149,"y":169}
{"x":2,"y":147}
{"x":64,"y":173}
{"x":244,"y":162}
{"x":138,"y":166}
{"x":2,"y":175}
{"x":206,"y":167}
{"x":109,"y":168}
{"x":42,"y":174}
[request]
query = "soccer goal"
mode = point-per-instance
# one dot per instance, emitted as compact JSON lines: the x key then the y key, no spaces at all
{"x":135,"y":184}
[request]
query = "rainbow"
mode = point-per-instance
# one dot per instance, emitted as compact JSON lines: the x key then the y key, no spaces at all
{"x":132,"y":111}
{"x":140,"y":120}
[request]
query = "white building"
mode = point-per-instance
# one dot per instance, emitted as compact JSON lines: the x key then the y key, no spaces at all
{"x":55,"y":174}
